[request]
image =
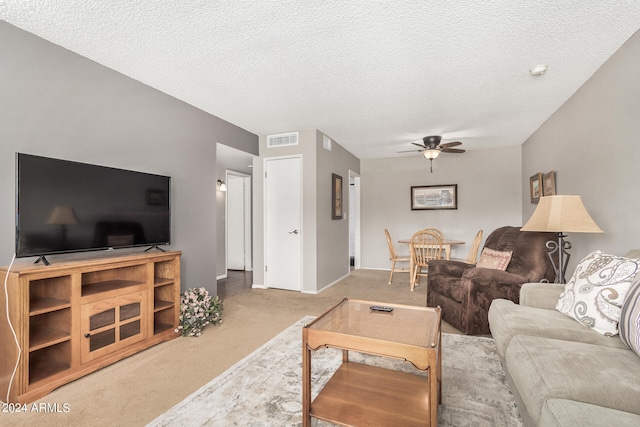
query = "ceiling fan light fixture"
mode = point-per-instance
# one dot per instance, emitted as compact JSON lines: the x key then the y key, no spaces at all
{"x":431,"y":154}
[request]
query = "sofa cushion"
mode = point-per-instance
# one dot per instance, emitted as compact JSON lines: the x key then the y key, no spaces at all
{"x":596,"y":291}
{"x":569,"y":413}
{"x":507,"y":320}
{"x":630,"y":318}
{"x":543,"y":368}
{"x":541,"y":295}
{"x":633,"y":253}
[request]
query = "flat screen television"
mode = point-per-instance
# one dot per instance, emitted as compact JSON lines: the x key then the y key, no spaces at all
{"x":64,"y":206}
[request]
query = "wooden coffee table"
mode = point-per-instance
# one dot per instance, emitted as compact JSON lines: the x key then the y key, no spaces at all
{"x":365,"y":395}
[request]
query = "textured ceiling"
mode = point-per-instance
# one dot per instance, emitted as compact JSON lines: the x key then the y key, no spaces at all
{"x":373,"y":75}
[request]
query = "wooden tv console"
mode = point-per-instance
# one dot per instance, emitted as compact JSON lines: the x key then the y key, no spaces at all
{"x":74,"y":317}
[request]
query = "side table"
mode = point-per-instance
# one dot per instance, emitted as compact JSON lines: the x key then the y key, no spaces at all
{"x":359,"y":394}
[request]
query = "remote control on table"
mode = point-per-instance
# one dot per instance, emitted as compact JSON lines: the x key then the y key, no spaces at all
{"x":381,"y":308}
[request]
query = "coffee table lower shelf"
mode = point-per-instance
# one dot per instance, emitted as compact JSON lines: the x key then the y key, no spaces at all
{"x":363,"y":395}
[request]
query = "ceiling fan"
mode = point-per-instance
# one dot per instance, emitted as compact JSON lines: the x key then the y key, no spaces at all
{"x":431,"y":148}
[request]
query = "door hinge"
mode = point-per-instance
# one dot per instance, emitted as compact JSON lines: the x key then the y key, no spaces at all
{"x":265,"y":268}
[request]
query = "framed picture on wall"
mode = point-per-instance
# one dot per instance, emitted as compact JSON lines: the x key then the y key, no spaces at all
{"x":434,"y":197}
{"x":336,"y":196}
{"x":535,"y":187}
{"x":549,"y":184}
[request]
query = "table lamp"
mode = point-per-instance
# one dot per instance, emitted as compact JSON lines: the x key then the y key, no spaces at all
{"x":561,"y":214}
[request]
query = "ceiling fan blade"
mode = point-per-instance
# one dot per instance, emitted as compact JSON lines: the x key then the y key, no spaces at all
{"x":453,"y":150}
{"x":419,"y":145}
{"x":451,"y":144}
{"x":410,"y":151}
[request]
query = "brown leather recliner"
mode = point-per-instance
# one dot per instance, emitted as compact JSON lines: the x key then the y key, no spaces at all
{"x":464,"y":292}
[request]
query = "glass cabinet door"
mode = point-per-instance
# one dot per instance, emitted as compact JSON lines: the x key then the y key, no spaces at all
{"x":113,"y":323}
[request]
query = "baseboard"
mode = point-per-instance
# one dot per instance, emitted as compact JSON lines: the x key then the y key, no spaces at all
{"x":222,"y":276}
{"x":375,"y":268}
{"x":328,"y":286}
{"x":258,"y":286}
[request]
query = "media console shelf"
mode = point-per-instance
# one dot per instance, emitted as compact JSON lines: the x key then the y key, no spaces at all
{"x":74,"y":317}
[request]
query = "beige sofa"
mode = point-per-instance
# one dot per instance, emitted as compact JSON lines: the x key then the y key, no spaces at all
{"x":562,"y":373}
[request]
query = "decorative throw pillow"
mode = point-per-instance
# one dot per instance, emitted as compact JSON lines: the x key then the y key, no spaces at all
{"x":597,"y":289}
{"x":630,"y":318}
{"x":498,"y":260}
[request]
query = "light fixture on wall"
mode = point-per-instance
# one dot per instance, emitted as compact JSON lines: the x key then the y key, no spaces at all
{"x":221,"y":185}
{"x":561,"y":214}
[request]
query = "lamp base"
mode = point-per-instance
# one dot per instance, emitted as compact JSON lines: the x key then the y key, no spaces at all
{"x":560,"y":262}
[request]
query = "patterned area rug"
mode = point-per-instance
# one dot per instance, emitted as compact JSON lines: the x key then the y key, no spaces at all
{"x":265,"y":388}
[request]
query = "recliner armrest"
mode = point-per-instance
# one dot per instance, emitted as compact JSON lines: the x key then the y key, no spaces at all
{"x":540,"y":295}
{"x":485,"y":276}
{"x":448,"y":267}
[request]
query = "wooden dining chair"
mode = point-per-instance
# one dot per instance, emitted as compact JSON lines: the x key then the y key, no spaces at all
{"x":426,"y":245}
{"x":437,"y":231}
{"x":472,"y":256}
{"x":475,"y":246}
{"x":393,"y":256}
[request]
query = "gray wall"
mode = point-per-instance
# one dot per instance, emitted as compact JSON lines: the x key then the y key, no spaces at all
{"x":593,"y":144}
{"x":319,"y":233}
{"x":489,"y":194}
{"x":56,"y":103}
{"x":333,"y":234}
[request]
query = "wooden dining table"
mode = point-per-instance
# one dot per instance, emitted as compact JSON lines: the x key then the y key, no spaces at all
{"x":446,"y":246}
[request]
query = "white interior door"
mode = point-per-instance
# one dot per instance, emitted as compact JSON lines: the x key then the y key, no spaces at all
{"x":235,"y":223}
{"x":283,"y":232}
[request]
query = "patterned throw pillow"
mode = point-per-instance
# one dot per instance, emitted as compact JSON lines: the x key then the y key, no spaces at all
{"x":498,"y":260}
{"x":597,"y":289}
{"x":630,"y":318}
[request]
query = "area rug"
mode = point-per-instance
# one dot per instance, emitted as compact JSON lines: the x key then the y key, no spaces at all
{"x":265,"y":388}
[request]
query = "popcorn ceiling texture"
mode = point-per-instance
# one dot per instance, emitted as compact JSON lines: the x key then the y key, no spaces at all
{"x":373,"y":75}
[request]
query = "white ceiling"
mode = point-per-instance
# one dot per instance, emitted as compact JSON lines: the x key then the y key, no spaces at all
{"x":373,"y":75}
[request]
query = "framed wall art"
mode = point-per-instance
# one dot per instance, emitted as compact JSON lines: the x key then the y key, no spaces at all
{"x":427,"y":197}
{"x":336,"y":197}
{"x":535,"y":187}
{"x":549,"y":184}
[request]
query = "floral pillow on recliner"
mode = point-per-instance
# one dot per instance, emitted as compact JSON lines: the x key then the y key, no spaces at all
{"x":498,"y":260}
{"x":597,"y":289}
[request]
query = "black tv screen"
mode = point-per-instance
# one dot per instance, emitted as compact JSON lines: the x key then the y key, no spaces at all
{"x":64,"y":206}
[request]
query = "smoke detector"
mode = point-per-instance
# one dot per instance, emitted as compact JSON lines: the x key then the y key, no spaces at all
{"x":538,"y":70}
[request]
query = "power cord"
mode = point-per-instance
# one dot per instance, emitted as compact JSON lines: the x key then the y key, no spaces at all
{"x":15,"y":337}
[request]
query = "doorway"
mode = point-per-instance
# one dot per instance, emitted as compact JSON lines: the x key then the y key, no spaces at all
{"x":283,"y":222}
{"x":354,"y":220}
{"x":238,"y":224}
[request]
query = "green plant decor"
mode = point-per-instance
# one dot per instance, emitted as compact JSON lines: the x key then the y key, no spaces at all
{"x":197,"y":310}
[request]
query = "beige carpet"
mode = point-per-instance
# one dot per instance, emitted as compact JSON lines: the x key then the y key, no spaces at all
{"x":138,"y":389}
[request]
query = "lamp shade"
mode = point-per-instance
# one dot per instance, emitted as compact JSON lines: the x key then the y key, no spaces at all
{"x":561,"y":213}
{"x":62,"y":215}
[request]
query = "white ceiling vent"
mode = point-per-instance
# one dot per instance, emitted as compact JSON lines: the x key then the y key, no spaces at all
{"x":282,"y":139}
{"x":326,"y":142}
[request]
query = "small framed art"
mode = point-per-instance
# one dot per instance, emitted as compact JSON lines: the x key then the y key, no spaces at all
{"x":336,"y":196}
{"x":549,"y":184}
{"x":535,"y":187}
